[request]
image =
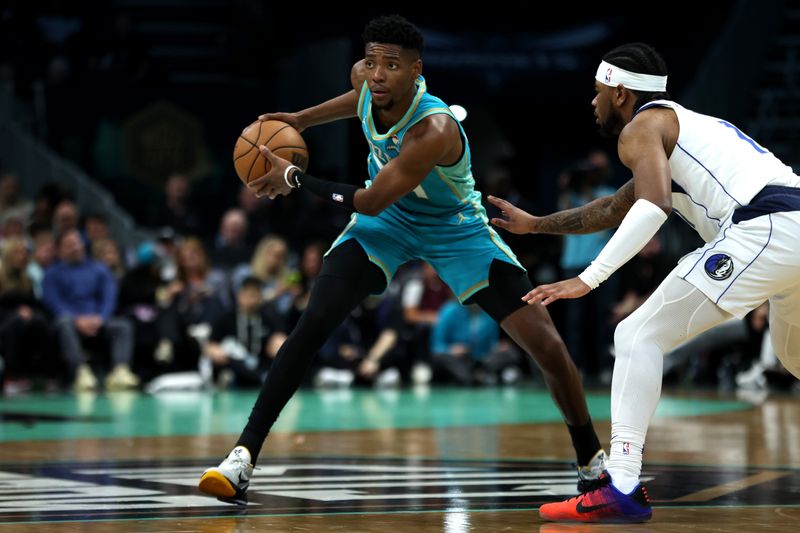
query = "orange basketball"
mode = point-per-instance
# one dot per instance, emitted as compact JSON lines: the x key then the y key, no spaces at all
{"x":282,"y":139}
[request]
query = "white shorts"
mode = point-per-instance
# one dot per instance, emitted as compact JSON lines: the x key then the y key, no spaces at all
{"x":748,"y":263}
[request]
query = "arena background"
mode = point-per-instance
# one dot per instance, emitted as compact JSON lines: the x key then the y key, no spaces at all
{"x":102,"y":102}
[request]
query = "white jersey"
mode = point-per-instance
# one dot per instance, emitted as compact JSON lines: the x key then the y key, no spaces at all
{"x":745,"y":204}
{"x":716,"y":169}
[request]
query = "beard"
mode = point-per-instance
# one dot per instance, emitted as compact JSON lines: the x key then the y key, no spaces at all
{"x":612,"y":126}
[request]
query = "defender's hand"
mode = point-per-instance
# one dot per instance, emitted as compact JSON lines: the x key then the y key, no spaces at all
{"x":516,"y":220}
{"x":547,"y":294}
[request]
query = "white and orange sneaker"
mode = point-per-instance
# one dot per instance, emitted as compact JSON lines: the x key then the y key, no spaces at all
{"x":229,"y":481}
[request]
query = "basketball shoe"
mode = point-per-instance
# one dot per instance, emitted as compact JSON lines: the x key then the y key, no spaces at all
{"x":604,"y":504}
{"x":589,"y":476}
{"x":229,"y":481}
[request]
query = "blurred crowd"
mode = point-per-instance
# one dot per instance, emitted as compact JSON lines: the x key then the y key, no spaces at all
{"x":211,"y":297}
{"x":80,"y":311}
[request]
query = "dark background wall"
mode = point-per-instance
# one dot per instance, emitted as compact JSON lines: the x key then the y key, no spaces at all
{"x":133,"y":90}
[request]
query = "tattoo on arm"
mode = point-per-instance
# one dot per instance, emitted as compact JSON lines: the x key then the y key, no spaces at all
{"x":600,"y":214}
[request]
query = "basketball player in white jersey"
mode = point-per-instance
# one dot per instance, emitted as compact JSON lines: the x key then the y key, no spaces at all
{"x":736,"y":194}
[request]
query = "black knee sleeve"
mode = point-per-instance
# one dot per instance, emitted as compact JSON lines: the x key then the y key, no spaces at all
{"x":507,"y":285}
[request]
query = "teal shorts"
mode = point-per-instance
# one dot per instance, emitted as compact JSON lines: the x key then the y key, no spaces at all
{"x":459,"y":247}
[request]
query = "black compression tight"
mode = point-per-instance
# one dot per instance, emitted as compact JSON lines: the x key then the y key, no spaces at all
{"x":347,"y":277}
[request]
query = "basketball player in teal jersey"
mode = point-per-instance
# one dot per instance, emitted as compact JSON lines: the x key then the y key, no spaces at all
{"x":419,"y":203}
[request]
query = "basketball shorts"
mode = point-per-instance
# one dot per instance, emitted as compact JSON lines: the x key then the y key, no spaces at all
{"x":749,"y":262}
{"x":459,"y":247}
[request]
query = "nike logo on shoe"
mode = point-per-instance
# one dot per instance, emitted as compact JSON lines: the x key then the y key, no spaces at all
{"x":581,"y":509}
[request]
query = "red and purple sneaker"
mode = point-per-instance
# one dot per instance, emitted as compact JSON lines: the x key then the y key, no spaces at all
{"x":604,"y":504}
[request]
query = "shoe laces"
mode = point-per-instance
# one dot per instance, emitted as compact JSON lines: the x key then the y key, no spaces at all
{"x":237,"y":459}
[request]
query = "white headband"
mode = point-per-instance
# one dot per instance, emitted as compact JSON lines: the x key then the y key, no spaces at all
{"x":612,"y":76}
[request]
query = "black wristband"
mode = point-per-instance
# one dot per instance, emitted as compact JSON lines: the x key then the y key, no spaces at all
{"x":339,"y":194}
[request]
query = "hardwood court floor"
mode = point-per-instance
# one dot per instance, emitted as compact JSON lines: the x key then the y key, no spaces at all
{"x":441,"y":460}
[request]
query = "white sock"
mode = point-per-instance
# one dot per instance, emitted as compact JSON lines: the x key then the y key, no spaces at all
{"x":625,"y":461}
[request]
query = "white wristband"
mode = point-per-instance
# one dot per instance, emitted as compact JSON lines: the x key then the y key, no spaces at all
{"x":637,"y":228}
{"x":286,"y":173}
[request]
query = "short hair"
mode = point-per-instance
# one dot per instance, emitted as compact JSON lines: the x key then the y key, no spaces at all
{"x":642,"y":59}
{"x":394,"y":29}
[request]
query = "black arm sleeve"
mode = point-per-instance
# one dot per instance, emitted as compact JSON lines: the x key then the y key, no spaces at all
{"x":338,"y":194}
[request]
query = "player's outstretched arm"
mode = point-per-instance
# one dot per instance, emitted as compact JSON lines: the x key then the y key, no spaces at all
{"x":427,"y":144}
{"x":343,"y":106}
{"x":642,"y":149}
{"x":599,"y":214}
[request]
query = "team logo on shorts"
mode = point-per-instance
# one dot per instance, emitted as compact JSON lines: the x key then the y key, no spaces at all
{"x":719,"y":266}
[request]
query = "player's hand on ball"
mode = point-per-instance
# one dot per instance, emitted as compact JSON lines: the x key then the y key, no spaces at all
{"x":516,"y":220}
{"x":547,"y":294}
{"x":272,"y":183}
{"x":292,"y":119}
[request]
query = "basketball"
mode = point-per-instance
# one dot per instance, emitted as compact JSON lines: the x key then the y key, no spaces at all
{"x":283,"y":140}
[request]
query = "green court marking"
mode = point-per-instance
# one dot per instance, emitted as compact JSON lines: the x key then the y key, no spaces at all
{"x":204,"y":413}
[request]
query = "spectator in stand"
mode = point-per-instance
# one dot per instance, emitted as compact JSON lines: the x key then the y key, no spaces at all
{"x":44,"y":254}
{"x":48,"y":197}
{"x":177,"y":211}
{"x":107,"y":252}
{"x":11,"y":227}
{"x":245,"y":340}
{"x":467,"y":349}
{"x":230,"y":246}
{"x":339,"y":356}
{"x":364,"y":349}
{"x":191,"y":303}
{"x":423,"y":296}
{"x":82,"y":294}
{"x":270,"y":265}
{"x":166,"y":248}
{"x":24,"y":329}
{"x":310,"y":267}
{"x":66,"y":217}
{"x":138,"y":302}
{"x":95,"y":228}
{"x":12,"y":203}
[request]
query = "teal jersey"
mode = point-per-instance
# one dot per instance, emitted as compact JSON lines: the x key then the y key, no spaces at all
{"x":446,"y":190}
{"x":442,"y":221}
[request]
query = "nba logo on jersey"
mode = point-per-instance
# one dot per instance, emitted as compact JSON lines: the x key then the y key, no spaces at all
{"x":608,"y":75}
{"x":719,"y":266}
